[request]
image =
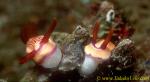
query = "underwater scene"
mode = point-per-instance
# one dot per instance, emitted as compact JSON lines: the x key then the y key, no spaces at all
{"x":74,"y":41}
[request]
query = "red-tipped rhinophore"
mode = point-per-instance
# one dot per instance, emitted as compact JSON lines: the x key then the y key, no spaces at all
{"x":49,"y":32}
{"x":27,"y":57}
{"x":45,"y":39}
{"x":95,"y":31}
{"x":108,"y":38}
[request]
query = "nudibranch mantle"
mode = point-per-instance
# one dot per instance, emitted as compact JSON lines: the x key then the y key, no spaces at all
{"x":48,"y":56}
{"x":94,"y":56}
{"x":95,"y":51}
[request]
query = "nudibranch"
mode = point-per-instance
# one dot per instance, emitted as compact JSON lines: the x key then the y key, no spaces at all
{"x":96,"y":51}
{"x":43,"y":50}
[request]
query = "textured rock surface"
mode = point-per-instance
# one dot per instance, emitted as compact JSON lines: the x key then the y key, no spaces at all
{"x":124,"y":54}
{"x":73,"y":49}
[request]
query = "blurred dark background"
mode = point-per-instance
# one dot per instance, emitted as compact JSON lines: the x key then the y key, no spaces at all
{"x":16,"y":13}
